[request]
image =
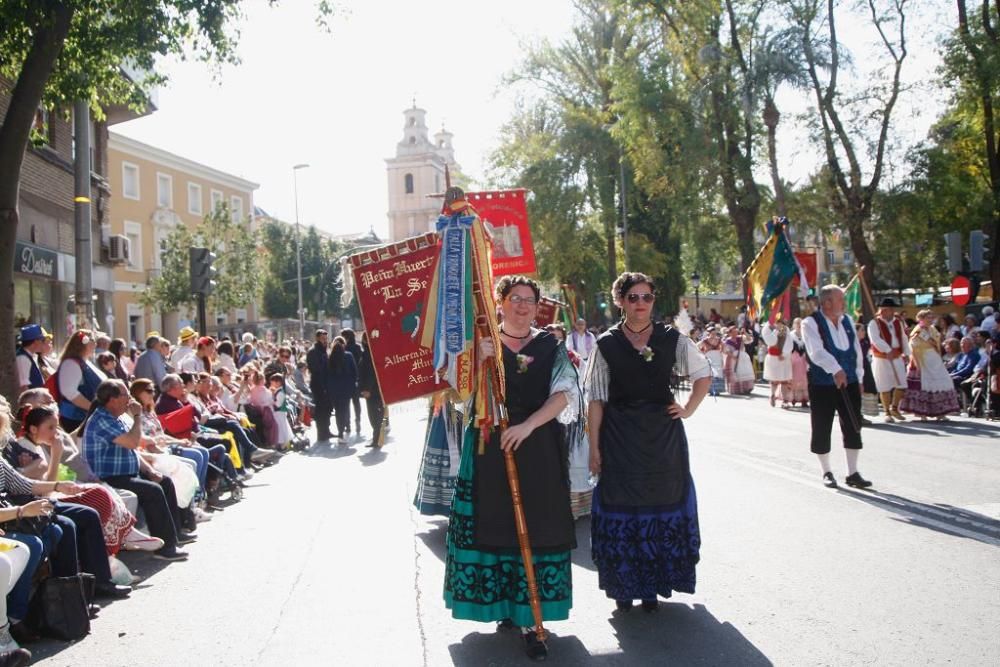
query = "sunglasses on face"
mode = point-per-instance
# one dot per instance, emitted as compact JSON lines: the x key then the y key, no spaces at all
{"x":526,"y":300}
{"x":647,"y":297}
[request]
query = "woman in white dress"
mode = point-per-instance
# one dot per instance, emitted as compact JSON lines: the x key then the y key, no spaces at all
{"x":711,"y":346}
{"x":740,"y":376}
{"x":778,"y":361}
{"x":930,"y":391}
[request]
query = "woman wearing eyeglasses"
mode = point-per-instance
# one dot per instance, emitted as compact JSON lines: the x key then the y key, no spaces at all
{"x":644,"y":522}
{"x":485,"y":581}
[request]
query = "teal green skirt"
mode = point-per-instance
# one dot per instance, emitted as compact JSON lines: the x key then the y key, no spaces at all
{"x":488,"y":586}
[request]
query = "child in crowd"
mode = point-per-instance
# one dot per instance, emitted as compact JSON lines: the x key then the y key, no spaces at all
{"x":280,"y":396}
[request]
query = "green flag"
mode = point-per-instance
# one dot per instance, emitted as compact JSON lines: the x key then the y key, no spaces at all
{"x":852,"y":299}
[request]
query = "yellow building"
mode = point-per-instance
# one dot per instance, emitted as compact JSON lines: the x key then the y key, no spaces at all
{"x":153,"y":191}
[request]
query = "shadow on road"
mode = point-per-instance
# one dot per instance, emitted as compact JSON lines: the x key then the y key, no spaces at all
{"x":434,"y":539}
{"x":330,"y":450}
{"x":678,"y":635}
{"x":938,"y":517}
{"x":373,"y":456}
{"x":971,"y":428}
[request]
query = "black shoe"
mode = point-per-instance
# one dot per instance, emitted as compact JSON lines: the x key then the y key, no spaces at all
{"x":536,"y":649}
{"x":17,"y":658}
{"x":185,"y":538}
{"x":857,"y":481}
{"x":107,"y":589}
{"x":867,"y":422}
{"x":650,"y":606}
{"x":623,"y":605}
{"x":505,"y":624}
{"x":171,"y":555}
{"x":828,"y":480}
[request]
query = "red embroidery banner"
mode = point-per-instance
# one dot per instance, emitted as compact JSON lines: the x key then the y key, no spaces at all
{"x":807,"y":260}
{"x":393,"y":286}
{"x":506,"y":216}
{"x":548,"y":312}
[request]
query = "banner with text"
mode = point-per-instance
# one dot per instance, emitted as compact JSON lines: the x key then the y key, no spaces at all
{"x":506,"y":216}
{"x":548,"y":312}
{"x":393,"y":286}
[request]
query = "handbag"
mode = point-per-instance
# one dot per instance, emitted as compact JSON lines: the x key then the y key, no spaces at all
{"x":60,"y":608}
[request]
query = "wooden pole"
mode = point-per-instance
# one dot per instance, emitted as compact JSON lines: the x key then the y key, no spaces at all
{"x":866,"y":291}
{"x":513,"y":479}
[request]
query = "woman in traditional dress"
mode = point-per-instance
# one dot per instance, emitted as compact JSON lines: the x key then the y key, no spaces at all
{"x":484,"y":579}
{"x":711,"y":347}
{"x":930,"y":391}
{"x":778,"y":362}
{"x":798,"y":388}
{"x":740,"y":376}
{"x":644,"y":524}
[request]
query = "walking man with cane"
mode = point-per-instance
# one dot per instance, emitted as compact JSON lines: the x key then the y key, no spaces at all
{"x":835,"y":371}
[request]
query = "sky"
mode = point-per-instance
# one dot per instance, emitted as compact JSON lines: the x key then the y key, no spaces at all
{"x":335,"y":100}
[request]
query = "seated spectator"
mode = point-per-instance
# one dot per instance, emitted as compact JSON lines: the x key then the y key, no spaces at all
{"x":107,"y":364}
{"x":29,"y":373}
{"x":119,"y":348}
{"x":15,"y":563}
{"x":226,"y":356}
{"x":173,"y":397}
{"x":151,"y":364}
{"x":77,"y":379}
{"x":965,"y":368}
{"x":156,"y":442}
{"x":38,"y":453}
{"x":952,"y":348}
{"x":109,"y":445}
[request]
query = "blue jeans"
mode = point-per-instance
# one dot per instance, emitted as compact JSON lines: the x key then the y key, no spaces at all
{"x":199,"y":455}
{"x":17,"y":599}
{"x":223,"y":425}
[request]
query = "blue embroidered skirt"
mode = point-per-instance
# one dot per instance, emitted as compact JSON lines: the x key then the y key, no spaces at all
{"x":436,"y":480}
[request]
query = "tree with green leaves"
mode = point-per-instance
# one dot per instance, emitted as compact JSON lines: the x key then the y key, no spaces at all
{"x":238,"y":261}
{"x":60,"y":51}
{"x":972,"y":59}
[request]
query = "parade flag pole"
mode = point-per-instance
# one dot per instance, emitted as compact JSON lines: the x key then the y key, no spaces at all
{"x":464,"y":235}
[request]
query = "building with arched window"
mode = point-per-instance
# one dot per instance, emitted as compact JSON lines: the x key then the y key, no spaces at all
{"x":416,"y":171}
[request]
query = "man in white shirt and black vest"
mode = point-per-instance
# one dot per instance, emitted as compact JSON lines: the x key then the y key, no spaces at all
{"x":835,"y":371}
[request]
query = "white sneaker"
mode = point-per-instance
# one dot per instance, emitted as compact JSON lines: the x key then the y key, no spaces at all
{"x":200,"y":515}
{"x":137,"y":540}
{"x":7,"y":642}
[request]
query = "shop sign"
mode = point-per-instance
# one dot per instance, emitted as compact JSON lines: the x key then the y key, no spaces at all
{"x":35,"y":261}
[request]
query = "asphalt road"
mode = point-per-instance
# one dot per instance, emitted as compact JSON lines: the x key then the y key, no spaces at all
{"x":325,"y":562}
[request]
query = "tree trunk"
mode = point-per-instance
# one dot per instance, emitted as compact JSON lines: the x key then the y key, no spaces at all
{"x":49,"y":37}
{"x":771,"y":119}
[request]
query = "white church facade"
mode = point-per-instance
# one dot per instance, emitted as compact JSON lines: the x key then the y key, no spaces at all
{"x":417,"y":170}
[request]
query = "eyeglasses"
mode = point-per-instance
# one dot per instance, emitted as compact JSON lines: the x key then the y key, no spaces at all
{"x":526,"y":300}
{"x":647,"y":297}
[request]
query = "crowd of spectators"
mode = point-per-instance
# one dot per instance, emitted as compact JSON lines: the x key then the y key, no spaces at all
{"x":111,"y":449}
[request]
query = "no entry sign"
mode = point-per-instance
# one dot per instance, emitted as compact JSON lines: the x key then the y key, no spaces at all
{"x":961,"y":291}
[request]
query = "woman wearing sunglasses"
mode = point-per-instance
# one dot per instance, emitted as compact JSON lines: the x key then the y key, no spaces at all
{"x":485,"y":581}
{"x":644,"y":522}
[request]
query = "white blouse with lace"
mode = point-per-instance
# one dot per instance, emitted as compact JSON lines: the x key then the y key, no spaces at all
{"x":688,"y":361}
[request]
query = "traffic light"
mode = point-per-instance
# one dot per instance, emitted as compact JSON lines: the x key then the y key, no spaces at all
{"x":977,"y":247}
{"x":202,"y":272}
{"x":953,"y":247}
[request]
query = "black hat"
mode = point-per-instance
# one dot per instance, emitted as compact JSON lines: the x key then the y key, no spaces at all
{"x":888,"y":302}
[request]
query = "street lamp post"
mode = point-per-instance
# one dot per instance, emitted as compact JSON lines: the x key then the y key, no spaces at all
{"x":298,"y":250}
{"x":696,"y":283}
